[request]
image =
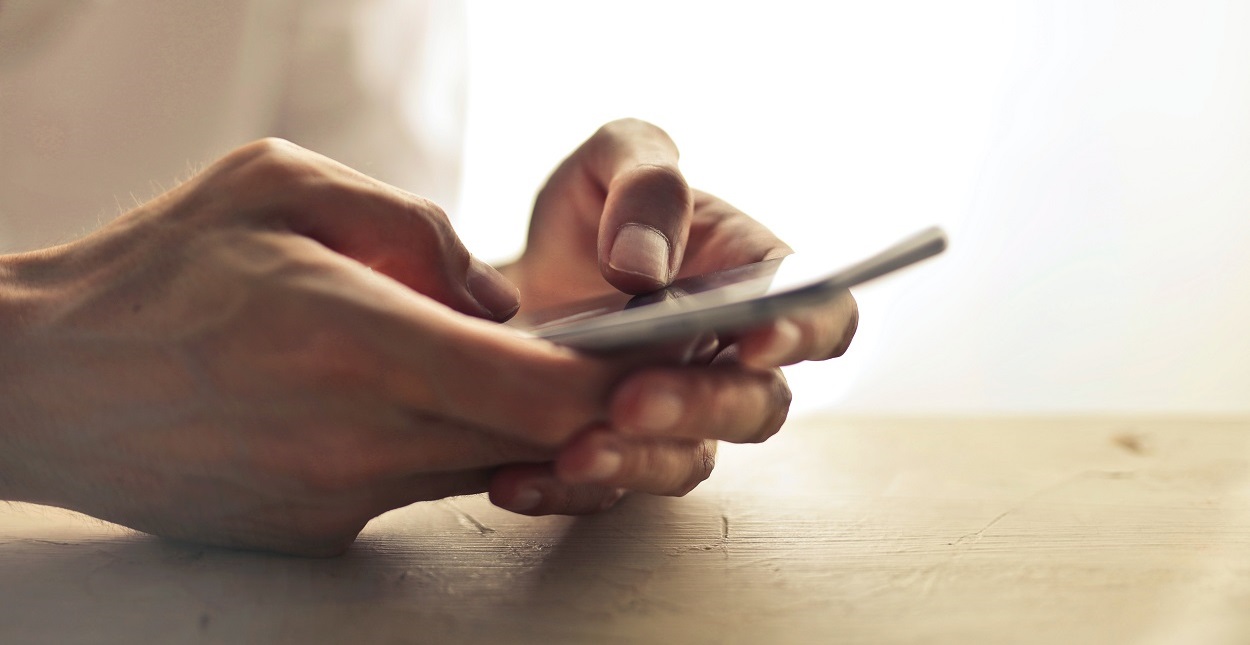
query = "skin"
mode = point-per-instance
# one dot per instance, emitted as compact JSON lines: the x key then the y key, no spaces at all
{"x":281,"y":349}
{"x":627,"y":173}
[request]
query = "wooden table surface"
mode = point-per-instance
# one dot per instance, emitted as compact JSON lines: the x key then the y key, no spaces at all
{"x":836,"y":531}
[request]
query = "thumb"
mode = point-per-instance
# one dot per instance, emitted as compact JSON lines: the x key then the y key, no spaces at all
{"x":393,"y":232}
{"x":491,"y":290}
{"x":415,"y":244}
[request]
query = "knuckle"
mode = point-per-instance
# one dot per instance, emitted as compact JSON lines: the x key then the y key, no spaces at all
{"x":432,"y":213}
{"x":267,"y":150}
{"x":704,"y":462}
{"x":777,"y":408}
{"x":617,"y":130}
{"x":271,"y":146}
{"x":271,"y":163}
{"x":848,"y":331}
{"x":661,"y":183}
{"x":629,"y":128}
{"x":423,"y":210}
{"x":436,"y":225}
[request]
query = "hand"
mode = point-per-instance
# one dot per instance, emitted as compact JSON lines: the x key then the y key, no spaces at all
{"x":618,"y":215}
{"x":268,"y":356}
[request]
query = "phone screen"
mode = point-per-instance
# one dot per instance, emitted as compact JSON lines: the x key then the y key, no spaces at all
{"x":723,"y":301}
{"x":730,"y":285}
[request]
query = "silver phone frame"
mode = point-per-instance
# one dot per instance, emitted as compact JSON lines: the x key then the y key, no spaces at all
{"x":699,"y":313}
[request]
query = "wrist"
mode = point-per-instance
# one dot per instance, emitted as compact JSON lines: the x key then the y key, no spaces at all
{"x":19,"y":295}
{"x":9,"y":290}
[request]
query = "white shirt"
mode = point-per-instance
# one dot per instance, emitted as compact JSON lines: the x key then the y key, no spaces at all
{"x":105,"y":103}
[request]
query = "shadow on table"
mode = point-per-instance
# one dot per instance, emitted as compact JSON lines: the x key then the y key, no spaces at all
{"x":655,"y":568}
{"x":530,"y":578}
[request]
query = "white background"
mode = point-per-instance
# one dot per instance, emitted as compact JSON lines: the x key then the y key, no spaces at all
{"x":1090,"y":160}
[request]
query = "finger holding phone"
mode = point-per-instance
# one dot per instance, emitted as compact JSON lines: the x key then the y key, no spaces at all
{"x":270,"y":355}
{"x":617,"y":215}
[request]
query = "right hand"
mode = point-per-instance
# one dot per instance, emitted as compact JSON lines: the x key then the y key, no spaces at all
{"x":267,"y":357}
{"x":617,"y":215}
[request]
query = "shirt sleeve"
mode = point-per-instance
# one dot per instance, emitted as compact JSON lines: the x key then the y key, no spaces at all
{"x":379,"y":85}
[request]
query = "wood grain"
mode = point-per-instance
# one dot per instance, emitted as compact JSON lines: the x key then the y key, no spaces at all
{"x":836,"y":531}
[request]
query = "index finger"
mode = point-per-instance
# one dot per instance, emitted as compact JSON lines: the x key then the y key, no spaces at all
{"x":814,"y":334}
{"x":434,"y":361}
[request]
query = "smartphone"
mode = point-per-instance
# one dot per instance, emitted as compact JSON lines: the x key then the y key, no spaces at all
{"x":721,"y":302}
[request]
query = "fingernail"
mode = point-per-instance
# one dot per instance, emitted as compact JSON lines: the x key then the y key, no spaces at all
{"x":659,"y":408}
{"x":640,"y":250}
{"x":525,"y":500}
{"x":780,"y":348}
{"x":605,"y":464}
{"x":492,"y":290}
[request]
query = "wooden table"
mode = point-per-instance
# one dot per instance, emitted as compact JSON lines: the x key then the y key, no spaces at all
{"x":837,"y":531}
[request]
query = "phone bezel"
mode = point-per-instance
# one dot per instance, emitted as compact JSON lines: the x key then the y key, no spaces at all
{"x":700,"y":313}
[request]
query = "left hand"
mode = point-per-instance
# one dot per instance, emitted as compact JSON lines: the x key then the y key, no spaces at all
{"x":618,"y":215}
